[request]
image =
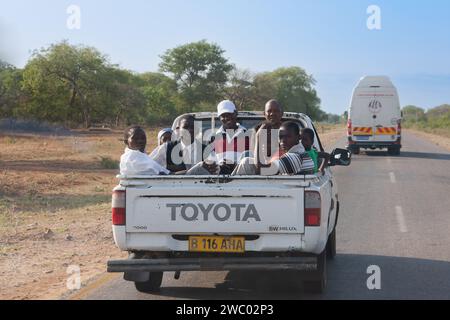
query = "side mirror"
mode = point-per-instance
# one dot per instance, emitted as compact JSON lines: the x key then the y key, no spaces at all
{"x":340,"y":157}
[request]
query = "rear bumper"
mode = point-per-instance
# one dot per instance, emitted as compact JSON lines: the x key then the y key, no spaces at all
{"x":373,"y":144}
{"x":306,"y":263}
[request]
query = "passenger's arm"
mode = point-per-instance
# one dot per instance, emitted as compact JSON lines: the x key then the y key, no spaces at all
{"x":261,"y":147}
{"x":325,"y":159}
{"x":160,"y":155}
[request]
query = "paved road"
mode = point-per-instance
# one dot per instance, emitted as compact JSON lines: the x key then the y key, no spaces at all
{"x":395,"y":213}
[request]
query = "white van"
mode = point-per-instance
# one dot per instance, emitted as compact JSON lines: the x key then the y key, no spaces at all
{"x":374,"y":118}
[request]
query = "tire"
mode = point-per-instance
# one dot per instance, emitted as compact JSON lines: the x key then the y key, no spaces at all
{"x":394,"y":151}
{"x":152,"y":285}
{"x":319,"y":284}
{"x":356,"y":150}
{"x":331,"y":245}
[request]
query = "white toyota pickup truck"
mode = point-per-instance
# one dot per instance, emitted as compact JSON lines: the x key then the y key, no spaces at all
{"x":210,"y":223}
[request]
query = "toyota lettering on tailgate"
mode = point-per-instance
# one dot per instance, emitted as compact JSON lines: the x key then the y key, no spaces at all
{"x":220,"y":212}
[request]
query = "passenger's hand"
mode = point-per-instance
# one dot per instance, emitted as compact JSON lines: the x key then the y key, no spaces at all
{"x":211,"y":168}
{"x":227,"y":168}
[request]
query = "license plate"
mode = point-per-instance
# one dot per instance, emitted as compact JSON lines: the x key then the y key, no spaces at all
{"x":362,"y":137}
{"x":216,"y":244}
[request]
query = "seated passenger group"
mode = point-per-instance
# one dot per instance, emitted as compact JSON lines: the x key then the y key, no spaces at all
{"x":228,"y":151}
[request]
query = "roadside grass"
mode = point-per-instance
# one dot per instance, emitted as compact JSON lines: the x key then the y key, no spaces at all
{"x":108,"y":163}
{"x":55,"y":203}
{"x":323,"y":127}
{"x":11,"y":140}
{"x":444,"y":132}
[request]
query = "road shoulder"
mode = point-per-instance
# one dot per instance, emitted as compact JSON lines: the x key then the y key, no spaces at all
{"x":440,"y":141}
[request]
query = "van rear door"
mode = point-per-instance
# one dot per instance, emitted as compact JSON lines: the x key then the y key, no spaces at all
{"x":375,"y":114}
{"x":385,"y":114}
{"x":362,"y":122}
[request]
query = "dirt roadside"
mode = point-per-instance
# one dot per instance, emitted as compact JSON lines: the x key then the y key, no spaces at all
{"x":55,"y":211}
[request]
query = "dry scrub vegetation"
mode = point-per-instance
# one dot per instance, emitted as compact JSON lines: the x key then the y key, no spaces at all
{"x":55,"y":210}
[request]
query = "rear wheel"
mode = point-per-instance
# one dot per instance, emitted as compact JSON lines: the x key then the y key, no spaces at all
{"x":331,"y":245}
{"x":394,"y":151}
{"x":318,"y":281}
{"x":355,"y":150}
{"x":153,"y":284}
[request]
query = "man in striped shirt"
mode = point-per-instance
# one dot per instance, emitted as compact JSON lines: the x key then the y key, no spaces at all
{"x":293,"y":159}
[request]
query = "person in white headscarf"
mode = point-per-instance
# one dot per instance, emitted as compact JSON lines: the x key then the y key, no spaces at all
{"x":165,"y":135}
{"x":135,"y":160}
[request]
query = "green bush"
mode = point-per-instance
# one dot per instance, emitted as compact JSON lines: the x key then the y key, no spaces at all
{"x":108,"y":163}
{"x":435,"y":120}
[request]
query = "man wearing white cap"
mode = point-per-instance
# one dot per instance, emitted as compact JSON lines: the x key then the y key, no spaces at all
{"x":231,"y":139}
{"x":229,"y":142}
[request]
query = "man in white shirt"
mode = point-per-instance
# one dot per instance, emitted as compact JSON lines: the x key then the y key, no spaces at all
{"x":135,"y":161}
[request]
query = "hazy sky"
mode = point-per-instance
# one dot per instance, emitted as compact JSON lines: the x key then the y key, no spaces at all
{"x":329,"y":39}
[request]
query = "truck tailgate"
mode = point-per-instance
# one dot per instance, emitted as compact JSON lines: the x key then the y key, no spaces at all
{"x":193,"y":208}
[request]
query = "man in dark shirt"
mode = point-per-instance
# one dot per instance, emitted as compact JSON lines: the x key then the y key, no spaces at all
{"x":181,"y":155}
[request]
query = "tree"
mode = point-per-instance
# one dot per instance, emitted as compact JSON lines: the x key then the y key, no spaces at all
{"x":292,"y":87}
{"x":129,"y":101}
{"x":200,"y":71}
{"x":413,"y":114}
{"x":160,"y":80}
{"x":5,"y":66}
{"x":439,"y":117}
{"x":332,"y":118}
{"x":240,"y":88}
{"x":345,"y":116}
{"x":11,"y":95}
{"x":161,"y":97}
{"x":439,"y":111}
{"x":158,"y":105}
{"x":67,"y":83}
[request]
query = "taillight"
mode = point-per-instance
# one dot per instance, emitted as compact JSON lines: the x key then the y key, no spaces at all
{"x":399,"y":127}
{"x":118,"y":208}
{"x":349,"y":127}
{"x":312,"y":209}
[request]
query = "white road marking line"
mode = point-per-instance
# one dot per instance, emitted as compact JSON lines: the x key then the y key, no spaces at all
{"x":392,"y":177}
{"x":401,"y":219}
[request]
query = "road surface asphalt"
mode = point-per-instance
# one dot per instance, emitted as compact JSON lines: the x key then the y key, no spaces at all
{"x":395,"y":214}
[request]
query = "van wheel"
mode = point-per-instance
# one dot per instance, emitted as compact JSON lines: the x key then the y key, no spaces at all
{"x":331,"y":245}
{"x":318,"y":285}
{"x":153,"y":284}
{"x":394,"y":151}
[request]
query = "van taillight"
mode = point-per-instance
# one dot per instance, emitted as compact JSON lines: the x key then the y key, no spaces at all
{"x":349,"y":127}
{"x":312,"y":209}
{"x":118,"y":208}
{"x":399,"y":127}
